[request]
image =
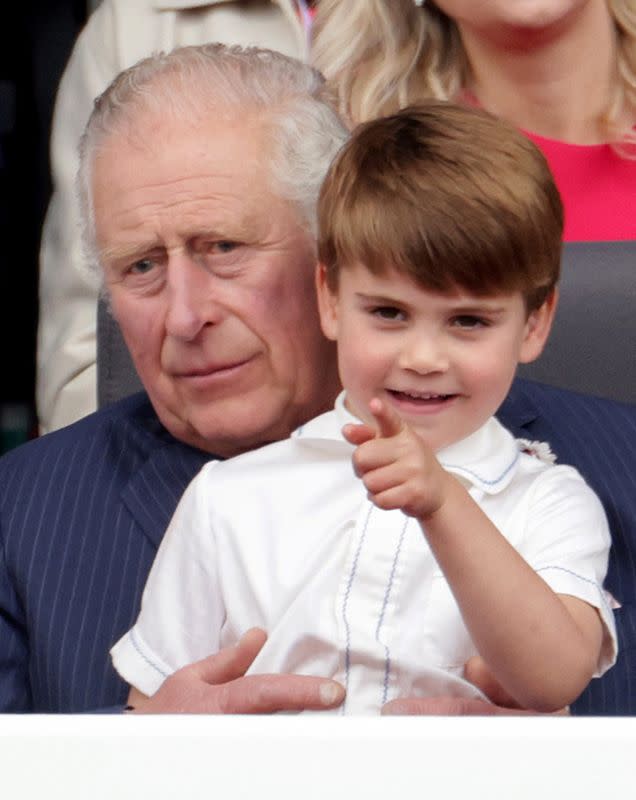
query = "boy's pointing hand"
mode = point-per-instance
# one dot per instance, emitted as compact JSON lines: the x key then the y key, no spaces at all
{"x":397,"y":467}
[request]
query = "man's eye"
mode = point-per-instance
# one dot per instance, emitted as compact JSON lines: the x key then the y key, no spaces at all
{"x":219,"y":247}
{"x":142,"y":266}
{"x":226,"y":246}
{"x":387,"y":313}
{"x":469,"y":322}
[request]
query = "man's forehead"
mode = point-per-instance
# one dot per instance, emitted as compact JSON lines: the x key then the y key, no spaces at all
{"x":151,"y":126}
{"x":190,"y":174}
{"x":169,"y":181}
{"x":128,"y":226}
{"x":159,"y":217}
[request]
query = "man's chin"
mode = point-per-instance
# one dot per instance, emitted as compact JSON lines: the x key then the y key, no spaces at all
{"x":223,"y":440}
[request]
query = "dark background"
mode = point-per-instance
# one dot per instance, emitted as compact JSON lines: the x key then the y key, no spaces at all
{"x":38,"y":37}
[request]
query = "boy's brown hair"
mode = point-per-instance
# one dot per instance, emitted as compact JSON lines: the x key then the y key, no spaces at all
{"x":451,"y":196}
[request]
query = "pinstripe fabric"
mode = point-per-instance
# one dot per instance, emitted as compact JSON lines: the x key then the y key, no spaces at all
{"x":599,"y":438}
{"x":82,"y":511}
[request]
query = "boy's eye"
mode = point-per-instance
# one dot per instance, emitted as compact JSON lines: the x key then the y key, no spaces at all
{"x":387,"y":312}
{"x":469,"y":322}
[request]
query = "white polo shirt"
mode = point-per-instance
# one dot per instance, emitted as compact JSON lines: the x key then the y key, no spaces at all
{"x":284,"y":538}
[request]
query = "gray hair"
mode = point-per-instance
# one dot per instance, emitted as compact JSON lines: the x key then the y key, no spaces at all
{"x":303,"y":129}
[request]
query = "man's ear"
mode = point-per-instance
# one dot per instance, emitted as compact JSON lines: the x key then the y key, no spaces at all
{"x":538,"y":327}
{"x":327,"y":304}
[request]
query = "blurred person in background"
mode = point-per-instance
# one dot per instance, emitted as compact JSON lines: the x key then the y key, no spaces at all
{"x":563,"y":71}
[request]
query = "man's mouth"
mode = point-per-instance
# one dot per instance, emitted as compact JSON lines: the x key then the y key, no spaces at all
{"x":210,"y":369}
{"x":212,"y":374}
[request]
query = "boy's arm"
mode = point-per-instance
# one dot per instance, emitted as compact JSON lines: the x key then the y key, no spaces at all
{"x":541,"y":647}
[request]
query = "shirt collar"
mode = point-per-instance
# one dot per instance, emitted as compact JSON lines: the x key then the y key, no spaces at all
{"x":486,"y":459}
{"x":328,"y":426}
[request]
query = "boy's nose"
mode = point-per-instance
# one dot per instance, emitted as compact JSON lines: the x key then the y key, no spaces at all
{"x":424,"y":354}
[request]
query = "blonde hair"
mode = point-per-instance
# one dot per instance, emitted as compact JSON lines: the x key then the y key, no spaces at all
{"x":449,"y":195}
{"x":381,"y":55}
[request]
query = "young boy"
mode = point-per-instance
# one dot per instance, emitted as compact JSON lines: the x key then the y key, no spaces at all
{"x":389,"y":541}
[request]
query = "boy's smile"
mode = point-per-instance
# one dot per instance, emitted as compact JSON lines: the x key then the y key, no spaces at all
{"x":420,"y":402}
{"x":443,"y":362}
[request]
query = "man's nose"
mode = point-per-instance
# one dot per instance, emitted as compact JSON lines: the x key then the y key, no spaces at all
{"x":191,"y":301}
{"x":424,"y":353}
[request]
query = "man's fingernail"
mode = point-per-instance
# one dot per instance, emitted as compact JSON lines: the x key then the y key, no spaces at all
{"x":330,"y":693}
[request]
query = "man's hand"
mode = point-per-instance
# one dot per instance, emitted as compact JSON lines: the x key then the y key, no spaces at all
{"x":448,"y":707}
{"x":218,"y":685}
{"x":398,"y":469}
{"x":478,"y":674}
{"x":456,"y":707}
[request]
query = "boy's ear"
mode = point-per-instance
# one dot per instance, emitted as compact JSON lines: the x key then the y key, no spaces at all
{"x":538,"y":327}
{"x":327,"y":304}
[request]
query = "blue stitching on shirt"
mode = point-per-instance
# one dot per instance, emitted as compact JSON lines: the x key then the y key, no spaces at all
{"x":387,"y":655}
{"x":581,"y":578}
{"x":354,"y":567}
{"x":478,"y":477}
{"x":135,"y":644}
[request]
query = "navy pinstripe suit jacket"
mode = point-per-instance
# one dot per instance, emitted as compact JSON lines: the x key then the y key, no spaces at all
{"x":83,"y":509}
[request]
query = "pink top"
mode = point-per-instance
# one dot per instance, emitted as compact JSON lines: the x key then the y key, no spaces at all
{"x":598,"y":189}
{"x":597,"y":186}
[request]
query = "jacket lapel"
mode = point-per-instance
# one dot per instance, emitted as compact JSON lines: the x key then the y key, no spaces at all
{"x":518,"y":409}
{"x":155,"y":488}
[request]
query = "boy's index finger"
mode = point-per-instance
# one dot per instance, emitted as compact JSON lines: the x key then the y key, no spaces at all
{"x":389,"y":424}
{"x":358,"y":434}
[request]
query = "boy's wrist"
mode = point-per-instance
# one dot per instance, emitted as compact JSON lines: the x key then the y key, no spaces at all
{"x":451,"y":494}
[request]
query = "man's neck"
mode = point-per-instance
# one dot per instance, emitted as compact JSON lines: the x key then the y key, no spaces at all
{"x":555,"y":83}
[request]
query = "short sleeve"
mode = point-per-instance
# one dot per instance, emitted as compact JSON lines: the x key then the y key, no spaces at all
{"x":182,"y":609}
{"x":568,"y":543}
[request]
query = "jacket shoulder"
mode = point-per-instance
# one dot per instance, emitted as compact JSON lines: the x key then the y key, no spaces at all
{"x":132,"y":419}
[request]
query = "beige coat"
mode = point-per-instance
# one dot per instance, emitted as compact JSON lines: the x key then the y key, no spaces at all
{"x":117,"y":34}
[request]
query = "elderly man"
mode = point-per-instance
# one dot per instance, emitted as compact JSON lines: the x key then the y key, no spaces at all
{"x":118,"y":34}
{"x":200,"y":173}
